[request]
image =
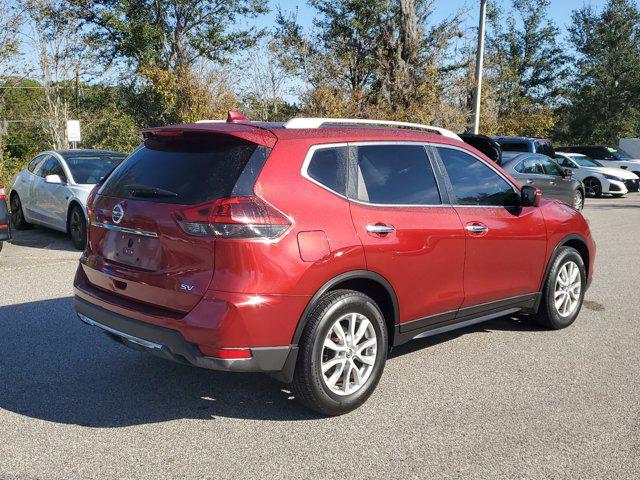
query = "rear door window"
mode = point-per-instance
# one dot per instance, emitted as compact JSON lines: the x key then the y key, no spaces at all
{"x":188,"y":170}
{"x":395,"y":175}
{"x":328,"y":166}
{"x":474,"y":182}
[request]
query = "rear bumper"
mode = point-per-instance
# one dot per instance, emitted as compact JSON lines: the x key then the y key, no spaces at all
{"x":170,"y":344}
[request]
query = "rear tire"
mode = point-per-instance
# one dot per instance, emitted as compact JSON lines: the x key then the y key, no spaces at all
{"x":563,"y":291}
{"x":77,"y":227}
{"x":578,"y":200}
{"x":635,"y":189}
{"x":1,"y":246}
{"x":17,"y":214}
{"x":341,"y":354}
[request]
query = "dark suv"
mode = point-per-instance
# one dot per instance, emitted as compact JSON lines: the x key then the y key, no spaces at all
{"x":309,"y":249}
{"x":526,"y":144}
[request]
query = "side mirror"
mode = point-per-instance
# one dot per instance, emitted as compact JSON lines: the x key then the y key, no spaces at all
{"x":55,"y":179}
{"x":530,"y":196}
{"x":568,"y":173}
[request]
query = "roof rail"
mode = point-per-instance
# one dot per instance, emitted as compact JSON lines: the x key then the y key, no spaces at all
{"x":302,"y":122}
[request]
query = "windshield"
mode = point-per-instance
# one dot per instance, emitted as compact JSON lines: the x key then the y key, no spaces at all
{"x":619,"y":153}
{"x":90,"y":169}
{"x":586,"y":161}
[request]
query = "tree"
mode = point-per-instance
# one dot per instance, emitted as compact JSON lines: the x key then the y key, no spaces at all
{"x":526,"y":65}
{"x":162,"y":40}
{"x":605,"y":100}
{"x":368,"y":57}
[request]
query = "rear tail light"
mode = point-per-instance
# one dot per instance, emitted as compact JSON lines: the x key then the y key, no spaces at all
{"x":3,"y":192}
{"x":235,"y":217}
{"x":91,"y":198}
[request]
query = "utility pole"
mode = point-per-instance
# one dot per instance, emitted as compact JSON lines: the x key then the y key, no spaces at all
{"x":477,"y":96}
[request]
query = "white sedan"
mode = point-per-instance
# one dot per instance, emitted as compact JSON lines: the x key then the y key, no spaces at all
{"x":52,"y":191}
{"x":596,"y":178}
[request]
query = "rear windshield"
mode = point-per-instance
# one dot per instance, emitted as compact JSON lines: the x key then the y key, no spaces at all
{"x":515,"y":146}
{"x":187,"y":170}
{"x":92,"y":169}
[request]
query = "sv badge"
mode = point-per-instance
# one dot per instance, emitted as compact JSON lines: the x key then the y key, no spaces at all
{"x":186,"y":288}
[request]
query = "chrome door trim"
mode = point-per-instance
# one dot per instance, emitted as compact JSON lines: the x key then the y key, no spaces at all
{"x":132,"y":231}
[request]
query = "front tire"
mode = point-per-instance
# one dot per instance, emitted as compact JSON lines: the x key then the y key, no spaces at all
{"x":342,"y":353}
{"x":564,"y":290}
{"x":592,"y":187}
{"x":77,"y":227}
{"x":17,"y":214}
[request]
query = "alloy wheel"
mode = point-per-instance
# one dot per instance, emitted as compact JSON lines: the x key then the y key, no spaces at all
{"x":578,"y":200}
{"x":349,"y":354}
{"x":567,"y":289}
{"x":592,"y":187}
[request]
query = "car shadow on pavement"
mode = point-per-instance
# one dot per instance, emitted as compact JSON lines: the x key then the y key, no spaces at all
{"x":508,"y":323}
{"x":55,"y":368}
{"x":42,"y":238}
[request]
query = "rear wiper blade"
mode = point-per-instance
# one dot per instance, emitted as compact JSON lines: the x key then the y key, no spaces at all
{"x":145,"y":191}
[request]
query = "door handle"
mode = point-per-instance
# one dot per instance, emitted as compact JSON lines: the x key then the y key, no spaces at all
{"x":380,"y":229}
{"x":477,"y":228}
{"x":528,"y":181}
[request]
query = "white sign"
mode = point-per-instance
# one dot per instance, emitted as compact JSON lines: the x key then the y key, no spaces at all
{"x":73,"y":130}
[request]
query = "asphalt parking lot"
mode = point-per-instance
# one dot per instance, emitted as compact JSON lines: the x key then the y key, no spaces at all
{"x":499,"y":400}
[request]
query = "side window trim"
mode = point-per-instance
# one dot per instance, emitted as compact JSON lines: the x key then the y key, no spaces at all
{"x":516,"y":190}
{"x":36,"y":167}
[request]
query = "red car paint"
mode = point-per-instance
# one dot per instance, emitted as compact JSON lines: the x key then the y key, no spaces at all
{"x":222,"y":293}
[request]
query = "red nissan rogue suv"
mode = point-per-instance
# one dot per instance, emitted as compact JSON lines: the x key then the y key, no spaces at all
{"x":309,"y":249}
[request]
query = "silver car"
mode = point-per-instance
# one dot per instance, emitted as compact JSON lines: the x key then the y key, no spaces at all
{"x":52,"y":191}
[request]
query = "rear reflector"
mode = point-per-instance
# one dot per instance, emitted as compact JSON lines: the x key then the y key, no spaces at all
{"x":225,"y":353}
{"x":235,"y":217}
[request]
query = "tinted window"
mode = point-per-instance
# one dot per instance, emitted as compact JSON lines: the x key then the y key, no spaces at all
{"x":189,"y":170}
{"x":328,"y":166}
{"x":551,"y":168}
{"x":35,"y":162}
{"x":396,"y":175}
{"x":545,"y":148}
{"x":618,"y":153}
{"x":515,"y":146}
{"x":92,"y":169}
{"x":474,"y":182}
{"x":532,"y":166}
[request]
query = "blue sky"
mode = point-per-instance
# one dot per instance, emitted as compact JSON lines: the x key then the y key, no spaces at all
{"x":560,"y":10}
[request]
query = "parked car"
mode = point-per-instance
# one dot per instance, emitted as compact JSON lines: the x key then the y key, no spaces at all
{"x":5,"y":230}
{"x":308,"y":249}
{"x":542,"y":172}
{"x":596,"y":178}
{"x":526,"y":144}
{"x":52,"y":191}
{"x":613,"y":157}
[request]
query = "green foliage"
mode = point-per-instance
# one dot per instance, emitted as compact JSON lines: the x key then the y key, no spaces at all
{"x":605,"y":94}
{"x":526,"y":65}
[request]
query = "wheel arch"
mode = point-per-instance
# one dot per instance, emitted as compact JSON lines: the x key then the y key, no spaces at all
{"x":371,"y":284}
{"x":574,"y":241}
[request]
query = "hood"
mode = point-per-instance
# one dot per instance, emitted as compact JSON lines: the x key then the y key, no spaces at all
{"x":618,"y":172}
